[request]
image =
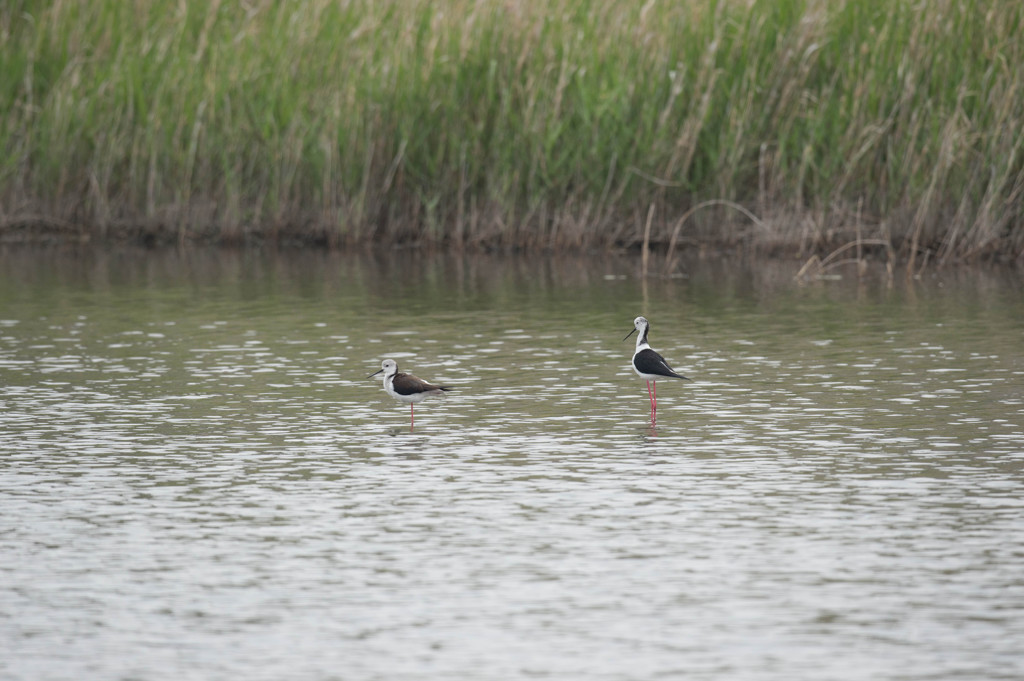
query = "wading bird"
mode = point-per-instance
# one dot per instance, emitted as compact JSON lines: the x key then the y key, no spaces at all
{"x":406,"y":387}
{"x":648,"y":364}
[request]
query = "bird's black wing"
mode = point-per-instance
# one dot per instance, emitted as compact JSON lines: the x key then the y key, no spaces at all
{"x":649,"y":362}
{"x":407,"y":384}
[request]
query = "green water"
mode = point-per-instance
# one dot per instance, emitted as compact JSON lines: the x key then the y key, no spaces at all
{"x":198,"y":480}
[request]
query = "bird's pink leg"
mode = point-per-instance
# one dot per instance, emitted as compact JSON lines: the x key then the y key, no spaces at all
{"x":654,"y":402}
{"x":412,"y":418}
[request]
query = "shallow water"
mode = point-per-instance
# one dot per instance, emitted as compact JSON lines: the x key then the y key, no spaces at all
{"x":198,"y":481}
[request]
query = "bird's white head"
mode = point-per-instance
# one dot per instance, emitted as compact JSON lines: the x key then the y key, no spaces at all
{"x":389,"y":367}
{"x":641,"y":325}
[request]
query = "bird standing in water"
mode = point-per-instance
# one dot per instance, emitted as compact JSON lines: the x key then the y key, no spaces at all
{"x":406,"y":387}
{"x":648,"y":364}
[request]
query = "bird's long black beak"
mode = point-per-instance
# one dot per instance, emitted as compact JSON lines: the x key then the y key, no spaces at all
{"x":630,"y":333}
{"x":375,"y":373}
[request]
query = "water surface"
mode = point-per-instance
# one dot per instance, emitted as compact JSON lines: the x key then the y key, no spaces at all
{"x":198,"y":481}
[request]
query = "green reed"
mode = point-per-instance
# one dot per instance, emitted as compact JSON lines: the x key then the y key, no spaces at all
{"x":520,"y":124}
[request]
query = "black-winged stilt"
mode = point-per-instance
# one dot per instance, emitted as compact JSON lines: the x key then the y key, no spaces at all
{"x":406,"y":387}
{"x":648,"y":364}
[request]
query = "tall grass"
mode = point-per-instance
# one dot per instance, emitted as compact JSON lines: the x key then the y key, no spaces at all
{"x":556,"y":124}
